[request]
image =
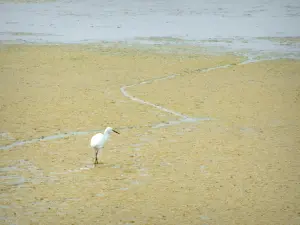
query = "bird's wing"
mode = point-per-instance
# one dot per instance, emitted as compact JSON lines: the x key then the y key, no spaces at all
{"x":96,"y":140}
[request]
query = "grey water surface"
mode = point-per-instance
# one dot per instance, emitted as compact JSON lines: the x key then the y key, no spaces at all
{"x":230,"y":24}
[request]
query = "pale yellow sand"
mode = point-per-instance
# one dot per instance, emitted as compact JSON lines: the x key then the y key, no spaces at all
{"x":242,"y":167}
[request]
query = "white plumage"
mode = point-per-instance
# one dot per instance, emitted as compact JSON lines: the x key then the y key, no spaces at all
{"x":98,"y":141}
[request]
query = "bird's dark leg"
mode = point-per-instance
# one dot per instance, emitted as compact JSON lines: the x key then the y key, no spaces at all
{"x":96,"y":156}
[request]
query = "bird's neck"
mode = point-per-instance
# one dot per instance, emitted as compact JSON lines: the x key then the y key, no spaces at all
{"x":106,"y":135}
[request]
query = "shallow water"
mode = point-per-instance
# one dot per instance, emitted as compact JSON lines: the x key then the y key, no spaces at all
{"x":230,"y":25}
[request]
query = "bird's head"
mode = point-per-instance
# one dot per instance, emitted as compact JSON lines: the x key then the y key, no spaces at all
{"x":109,"y":130}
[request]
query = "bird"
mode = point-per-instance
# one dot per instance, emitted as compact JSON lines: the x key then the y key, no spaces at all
{"x":98,"y":140}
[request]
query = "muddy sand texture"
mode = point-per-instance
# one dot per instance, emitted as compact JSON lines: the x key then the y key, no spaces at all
{"x":242,"y":167}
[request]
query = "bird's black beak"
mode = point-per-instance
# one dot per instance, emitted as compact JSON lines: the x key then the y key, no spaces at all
{"x":116,"y":131}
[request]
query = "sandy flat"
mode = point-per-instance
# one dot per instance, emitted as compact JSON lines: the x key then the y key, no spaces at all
{"x":239,"y":167}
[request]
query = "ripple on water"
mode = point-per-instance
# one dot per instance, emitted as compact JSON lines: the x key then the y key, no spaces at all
{"x":47,"y":138}
{"x":12,"y":180}
{"x":7,"y":169}
{"x":100,"y":195}
{"x":184,"y":120}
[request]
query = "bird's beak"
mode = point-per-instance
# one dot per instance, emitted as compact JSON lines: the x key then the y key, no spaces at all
{"x":116,"y":131}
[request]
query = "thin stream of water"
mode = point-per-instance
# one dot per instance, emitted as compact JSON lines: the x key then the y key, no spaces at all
{"x":183,"y":118}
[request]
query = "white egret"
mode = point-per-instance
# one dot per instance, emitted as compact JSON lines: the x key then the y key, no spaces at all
{"x":98,"y":141}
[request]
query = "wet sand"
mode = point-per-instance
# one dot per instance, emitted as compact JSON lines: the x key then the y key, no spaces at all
{"x":240,"y":167}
